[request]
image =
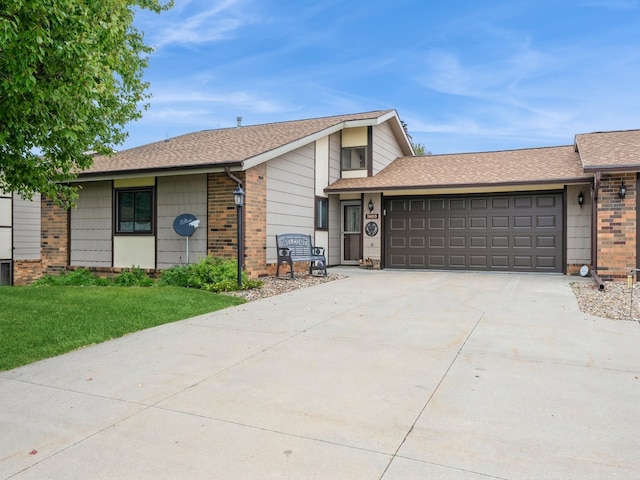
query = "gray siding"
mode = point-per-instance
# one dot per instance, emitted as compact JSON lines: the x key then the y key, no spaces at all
{"x":26,"y":228}
{"x":334,"y":158}
{"x":91,"y":226}
{"x":385,"y":147}
{"x":290,"y":195}
{"x":578,"y":226}
{"x":177,"y":195}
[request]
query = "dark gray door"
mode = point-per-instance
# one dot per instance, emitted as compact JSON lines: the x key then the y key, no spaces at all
{"x":514,"y":232}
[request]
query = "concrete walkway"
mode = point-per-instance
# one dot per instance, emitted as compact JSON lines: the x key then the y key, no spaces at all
{"x":383,"y":375}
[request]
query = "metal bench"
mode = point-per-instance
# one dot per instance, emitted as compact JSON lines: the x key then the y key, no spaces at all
{"x":297,"y":247}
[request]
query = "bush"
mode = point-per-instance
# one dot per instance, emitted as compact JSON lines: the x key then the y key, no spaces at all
{"x":211,"y":274}
{"x":133,"y":277}
{"x":77,"y":278}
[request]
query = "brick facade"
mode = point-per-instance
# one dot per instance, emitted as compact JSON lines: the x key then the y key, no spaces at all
{"x":54,"y":237}
{"x":616,"y":227}
{"x":222,"y":218}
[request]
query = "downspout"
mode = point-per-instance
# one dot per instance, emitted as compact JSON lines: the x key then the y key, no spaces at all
{"x":594,"y":230}
{"x":227,"y":170}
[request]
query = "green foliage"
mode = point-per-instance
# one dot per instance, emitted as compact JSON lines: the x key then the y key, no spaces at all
{"x":210,"y":273}
{"x":420,"y":150}
{"x":78,"y":278}
{"x":70,"y":79}
{"x":133,"y":277}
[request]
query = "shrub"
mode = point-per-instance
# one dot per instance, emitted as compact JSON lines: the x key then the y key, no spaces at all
{"x":133,"y":277}
{"x":79,"y":277}
{"x":210,"y":273}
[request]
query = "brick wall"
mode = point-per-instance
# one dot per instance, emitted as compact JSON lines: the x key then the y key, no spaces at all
{"x":222,"y":218}
{"x":54,"y":237}
{"x":27,"y":271}
{"x":255,"y":220}
{"x":222,"y":215}
{"x":616,"y":227}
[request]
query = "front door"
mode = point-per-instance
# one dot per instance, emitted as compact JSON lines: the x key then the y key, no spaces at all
{"x":351,"y":236}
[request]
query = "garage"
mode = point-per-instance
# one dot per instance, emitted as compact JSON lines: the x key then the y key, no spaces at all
{"x":520,"y":232}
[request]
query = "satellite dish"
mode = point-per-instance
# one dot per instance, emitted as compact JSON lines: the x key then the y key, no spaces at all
{"x":584,"y":271}
{"x":186,"y":224}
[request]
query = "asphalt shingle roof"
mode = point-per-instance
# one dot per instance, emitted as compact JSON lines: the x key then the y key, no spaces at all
{"x":218,"y":147}
{"x":537,"y":165}
{"x":609,"y":150}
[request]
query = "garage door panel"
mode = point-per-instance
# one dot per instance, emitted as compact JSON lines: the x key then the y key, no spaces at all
{"x":479,"y":223}
{"x":457,"y":242}
{"x":417,"y":223}
{"x":522,"y":221}
{"x":436,"y":223}
{"x":520,"y":232}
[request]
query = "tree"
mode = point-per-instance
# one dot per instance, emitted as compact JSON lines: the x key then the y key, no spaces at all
{"x":70,"y":79}
{"x":420,"y":150}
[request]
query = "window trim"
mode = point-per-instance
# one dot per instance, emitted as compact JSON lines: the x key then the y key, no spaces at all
{"x":116,"y":211}
{"x":366,"y":158}
{"x":319,"y":211}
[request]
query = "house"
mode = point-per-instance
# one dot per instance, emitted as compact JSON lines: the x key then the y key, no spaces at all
{"x":354,"y":184}
{"x":19,"y":234}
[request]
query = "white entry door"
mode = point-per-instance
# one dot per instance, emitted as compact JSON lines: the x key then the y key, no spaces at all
{"x":351,"y":232}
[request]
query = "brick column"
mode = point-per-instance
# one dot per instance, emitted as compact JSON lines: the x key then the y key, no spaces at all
{"x":54,"y":237}
{"x":222,"y":215}
{"x":255,"y":220}
{"x":616,"y":227}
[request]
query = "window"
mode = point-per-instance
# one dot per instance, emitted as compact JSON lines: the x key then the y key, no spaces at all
{"x":353,"y":158}
{"x":134,"y":211}
{"x":322,"y":213}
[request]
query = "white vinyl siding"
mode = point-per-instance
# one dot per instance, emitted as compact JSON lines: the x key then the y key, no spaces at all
{"x":91,"y":226}
{"x":175,"y":196}
{"x":385,"y":147}
{"x":290,"y":196}
{"x":26,"y":228}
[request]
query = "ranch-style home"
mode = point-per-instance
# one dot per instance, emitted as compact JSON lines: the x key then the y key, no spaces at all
{"x":353,"y":183}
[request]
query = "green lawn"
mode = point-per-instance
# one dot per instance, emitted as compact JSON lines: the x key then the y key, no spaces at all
{"x":41,"y":322}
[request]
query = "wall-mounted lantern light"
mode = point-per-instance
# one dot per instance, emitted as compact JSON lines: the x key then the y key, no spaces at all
{"x":370,"y":205}
{"x":623,"y":191}
{"x":580,"y":199}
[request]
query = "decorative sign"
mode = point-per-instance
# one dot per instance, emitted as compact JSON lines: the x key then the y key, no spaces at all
{"x":185,"y":225}
{"x":371,"y":216}
{"x":371,"y":229}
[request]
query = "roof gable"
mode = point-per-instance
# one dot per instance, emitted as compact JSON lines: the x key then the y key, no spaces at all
{"x":244,"y":146}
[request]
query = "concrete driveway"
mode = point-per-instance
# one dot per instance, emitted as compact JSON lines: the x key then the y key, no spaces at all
{"x":383,"y":375}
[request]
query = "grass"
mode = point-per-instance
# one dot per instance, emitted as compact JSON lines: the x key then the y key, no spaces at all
{"x":42,"y":322}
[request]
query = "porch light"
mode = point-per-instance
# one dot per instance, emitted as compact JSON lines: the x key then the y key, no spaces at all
{"x":623,"y":191}
{"x":370,"y":205}
{"x":580,"y":198}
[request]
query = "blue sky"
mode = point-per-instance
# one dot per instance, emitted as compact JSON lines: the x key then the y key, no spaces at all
{"x":465,"y":75}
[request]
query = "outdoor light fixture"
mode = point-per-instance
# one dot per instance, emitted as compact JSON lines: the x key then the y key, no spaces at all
{"x":623,"y":191}
{"x":370,"y":205}
{"x":580,"y":198}
{"x":238,"y":196}
{"x":238,"y":199}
